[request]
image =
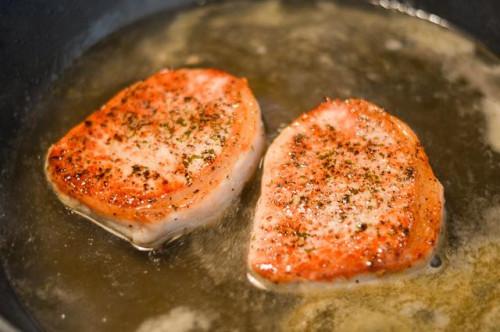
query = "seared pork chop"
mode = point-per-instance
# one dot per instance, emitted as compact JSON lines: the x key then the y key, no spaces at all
{"x":347,"y":190}
{"x":162,"y":157}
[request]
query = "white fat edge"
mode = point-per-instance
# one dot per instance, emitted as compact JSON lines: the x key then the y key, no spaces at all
{"x":179,"y":319}
{"x":329,"y":288}
{"x":149,"y":236}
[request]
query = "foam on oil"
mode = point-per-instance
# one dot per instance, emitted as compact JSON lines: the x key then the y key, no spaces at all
{"x":75,"y":276}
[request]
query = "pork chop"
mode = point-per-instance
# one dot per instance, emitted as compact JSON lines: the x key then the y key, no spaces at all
{"x":162,"y":157}
{"x":347,"y":190}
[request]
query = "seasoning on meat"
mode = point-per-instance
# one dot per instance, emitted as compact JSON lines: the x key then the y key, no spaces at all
{"x":347,"y":190}
{"x":162,"y":157}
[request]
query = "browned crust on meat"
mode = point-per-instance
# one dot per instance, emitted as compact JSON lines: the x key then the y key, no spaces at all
{"x":297,"y":247}
{"x":151,"y":115}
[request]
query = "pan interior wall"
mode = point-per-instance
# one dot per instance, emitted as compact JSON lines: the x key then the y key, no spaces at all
{"x":76,"y":277}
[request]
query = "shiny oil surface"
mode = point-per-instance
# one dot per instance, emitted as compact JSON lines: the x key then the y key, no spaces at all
{"x":76,"y":277}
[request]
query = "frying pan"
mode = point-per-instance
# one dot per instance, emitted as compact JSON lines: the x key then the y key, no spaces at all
{"x":38,"y":39}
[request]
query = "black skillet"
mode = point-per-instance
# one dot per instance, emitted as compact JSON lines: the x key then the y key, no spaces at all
{"x":40,"y":38}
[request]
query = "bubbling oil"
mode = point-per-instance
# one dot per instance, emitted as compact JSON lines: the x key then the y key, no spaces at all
{"x":75,"y":276}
